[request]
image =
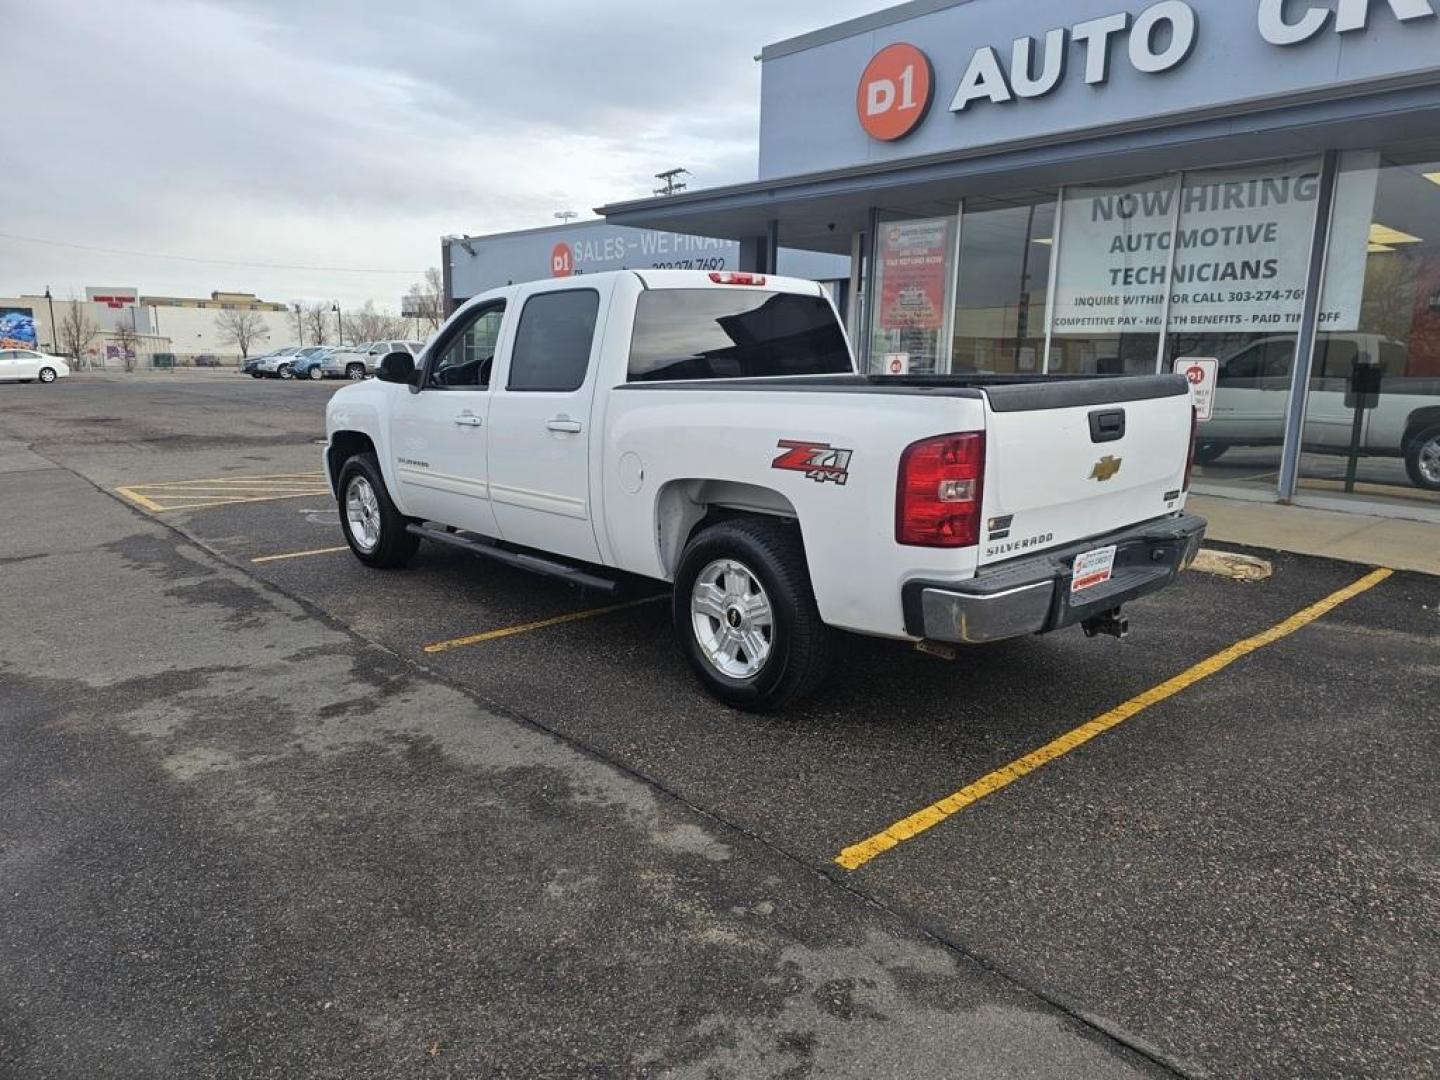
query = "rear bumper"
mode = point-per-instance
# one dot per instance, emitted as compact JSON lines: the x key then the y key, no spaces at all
{"x":1032,"y":596}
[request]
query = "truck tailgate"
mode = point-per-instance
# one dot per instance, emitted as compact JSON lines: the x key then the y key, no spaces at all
{"x":1071,"y":459}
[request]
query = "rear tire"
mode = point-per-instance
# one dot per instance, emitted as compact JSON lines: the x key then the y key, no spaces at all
{"x":373,"y":527}
{"x":316,"y":374}
{"x":746,"y":615}
{"x":1206,"y":452}
{"x":1422,"y":459}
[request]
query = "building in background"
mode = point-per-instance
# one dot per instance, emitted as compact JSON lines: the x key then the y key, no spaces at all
{"x":1123,"y":186}
{"x":183,"y":326}
{"x":473,"y":264}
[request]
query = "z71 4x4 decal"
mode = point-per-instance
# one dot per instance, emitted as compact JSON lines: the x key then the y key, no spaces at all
{"x":821,"y":462}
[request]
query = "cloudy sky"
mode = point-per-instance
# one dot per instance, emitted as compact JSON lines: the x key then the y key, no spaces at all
{"x":334,"y":143}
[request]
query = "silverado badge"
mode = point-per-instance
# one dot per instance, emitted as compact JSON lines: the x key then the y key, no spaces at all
{"x":1106,"y":468}
{"x":821,"y":462}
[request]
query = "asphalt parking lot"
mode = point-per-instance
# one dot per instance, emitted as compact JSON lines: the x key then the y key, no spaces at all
{"x":265,"y":812}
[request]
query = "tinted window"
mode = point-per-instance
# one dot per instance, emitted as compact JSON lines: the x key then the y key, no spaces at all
{"x":724,"y":334}
{"x":552,"y":344}
{"x":469,"y":355}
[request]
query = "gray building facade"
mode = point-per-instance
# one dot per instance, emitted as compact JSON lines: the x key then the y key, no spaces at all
{"x":473,"y":264}
{"x":1125,"y":186}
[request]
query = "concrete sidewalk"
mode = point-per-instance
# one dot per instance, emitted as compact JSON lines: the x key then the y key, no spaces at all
{"x":1359,"y":538}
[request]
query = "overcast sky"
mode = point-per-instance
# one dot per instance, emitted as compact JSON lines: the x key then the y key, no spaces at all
{"x":353,"y":135}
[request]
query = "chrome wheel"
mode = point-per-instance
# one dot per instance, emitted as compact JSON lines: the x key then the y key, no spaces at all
{"x":1427,"y":461}
{"x":316,"y":374}
{"x":732,"y":619}
{"x":47,"y":374}
{"x":355,"y":372}
{"x":362,"y":512}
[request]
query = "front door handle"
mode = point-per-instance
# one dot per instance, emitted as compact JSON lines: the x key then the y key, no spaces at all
{"x":468,"y":420}
{"x":564,"y":423}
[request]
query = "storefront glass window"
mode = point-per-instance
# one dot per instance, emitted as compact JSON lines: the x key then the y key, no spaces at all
{"x":1111,"y":269}
{"x":1242,"y":259}
{"x":1372,"y":424}
{"x":914,"y":266}
{"x":1002,"y":285}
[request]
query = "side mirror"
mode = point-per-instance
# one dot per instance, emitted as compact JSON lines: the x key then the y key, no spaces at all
{"x":397,"y":367}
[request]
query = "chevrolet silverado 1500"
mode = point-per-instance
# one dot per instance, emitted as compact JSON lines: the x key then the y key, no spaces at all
{"x":710,"y":430}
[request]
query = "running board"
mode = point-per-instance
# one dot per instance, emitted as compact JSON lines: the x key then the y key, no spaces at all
{"x":535,"y":563}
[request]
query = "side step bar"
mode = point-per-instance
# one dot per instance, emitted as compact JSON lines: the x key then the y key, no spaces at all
{"x":538,"y":564}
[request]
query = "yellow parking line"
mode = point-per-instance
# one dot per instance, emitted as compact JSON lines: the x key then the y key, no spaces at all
{"x":299,"y":554}
{"x":539,"y":624}
{"x":857,"y":855}
{"x":239,"y":501}
{"x":139,"y":500}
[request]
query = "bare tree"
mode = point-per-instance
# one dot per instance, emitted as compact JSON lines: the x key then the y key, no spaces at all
{"x":128,"y":339}
{"x":77,"y":332}
{"x":316,"y":318}
{"x":243,"y":329}
{"x":426,"y":299}
{"x":367,"y":324}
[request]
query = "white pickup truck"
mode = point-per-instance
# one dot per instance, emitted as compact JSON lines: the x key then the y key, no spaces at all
{"x":711,"y":431}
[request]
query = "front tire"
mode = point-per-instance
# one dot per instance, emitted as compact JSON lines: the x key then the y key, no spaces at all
{"x":373,"y":527}
{"x":285,"y":372}
{"x":355,"y":372}
{"x":746,"y":615}
{"x":1422,"y":459}
{"x":47,"y":374}
{"x":316,"y":374}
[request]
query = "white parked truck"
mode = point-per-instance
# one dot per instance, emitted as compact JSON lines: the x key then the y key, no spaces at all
{"x":710,"y":430}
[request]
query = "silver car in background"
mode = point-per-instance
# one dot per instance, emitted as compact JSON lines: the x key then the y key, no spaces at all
{"x":360,"y":361}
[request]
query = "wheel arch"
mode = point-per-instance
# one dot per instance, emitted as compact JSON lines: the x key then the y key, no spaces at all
{"x":683,"y":506}
{"x":1418,"y":421}
{"x":343,"y":446}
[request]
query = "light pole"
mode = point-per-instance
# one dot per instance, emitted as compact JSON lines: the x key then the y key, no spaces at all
{"x":50,"y":302}
{"x":339,"y":324}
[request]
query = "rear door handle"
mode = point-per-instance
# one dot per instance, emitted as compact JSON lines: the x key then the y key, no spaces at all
{"x":468,"y":420}
{"x":564,"y":423}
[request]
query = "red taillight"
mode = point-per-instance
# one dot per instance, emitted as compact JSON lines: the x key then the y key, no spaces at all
{"x":937,"y":499}
{"x":1190,"y":454}
{"x":731,"y":278}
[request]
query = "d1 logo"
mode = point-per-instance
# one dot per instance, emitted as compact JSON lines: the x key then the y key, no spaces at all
{"x":895,"y":92}
{"x":562,"y":260}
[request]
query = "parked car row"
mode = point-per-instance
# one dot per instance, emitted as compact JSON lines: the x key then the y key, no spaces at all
{"x":315,"y":362}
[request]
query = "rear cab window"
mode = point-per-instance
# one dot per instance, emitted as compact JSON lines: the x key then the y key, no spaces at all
{"x":739,"y":334}
{"x":553,"y":341}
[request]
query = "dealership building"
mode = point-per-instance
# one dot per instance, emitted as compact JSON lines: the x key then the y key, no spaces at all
{"x":1244,"y":190}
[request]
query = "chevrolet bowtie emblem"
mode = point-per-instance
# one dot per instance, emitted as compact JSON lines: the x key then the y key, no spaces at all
{"x":1106,"y":468}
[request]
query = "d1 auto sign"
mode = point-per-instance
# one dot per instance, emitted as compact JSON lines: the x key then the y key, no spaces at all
{"x":895,"y":92}
{"x":562,"y":260}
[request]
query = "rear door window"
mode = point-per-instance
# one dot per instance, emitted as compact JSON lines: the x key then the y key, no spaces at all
{"x":734,"y":334}
{"x":552,"y":342}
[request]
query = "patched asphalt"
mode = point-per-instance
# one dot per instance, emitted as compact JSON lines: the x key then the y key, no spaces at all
{"x":1238,"y":881}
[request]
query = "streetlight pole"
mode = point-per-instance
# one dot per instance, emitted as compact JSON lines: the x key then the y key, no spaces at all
{"x":339,"y":324}
{"x":50,"y":302}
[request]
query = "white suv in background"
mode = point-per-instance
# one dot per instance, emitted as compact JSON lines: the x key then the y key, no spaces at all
{"x":358,"y":361}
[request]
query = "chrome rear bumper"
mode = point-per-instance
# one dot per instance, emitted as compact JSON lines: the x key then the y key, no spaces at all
{"x":1032,"y":595}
